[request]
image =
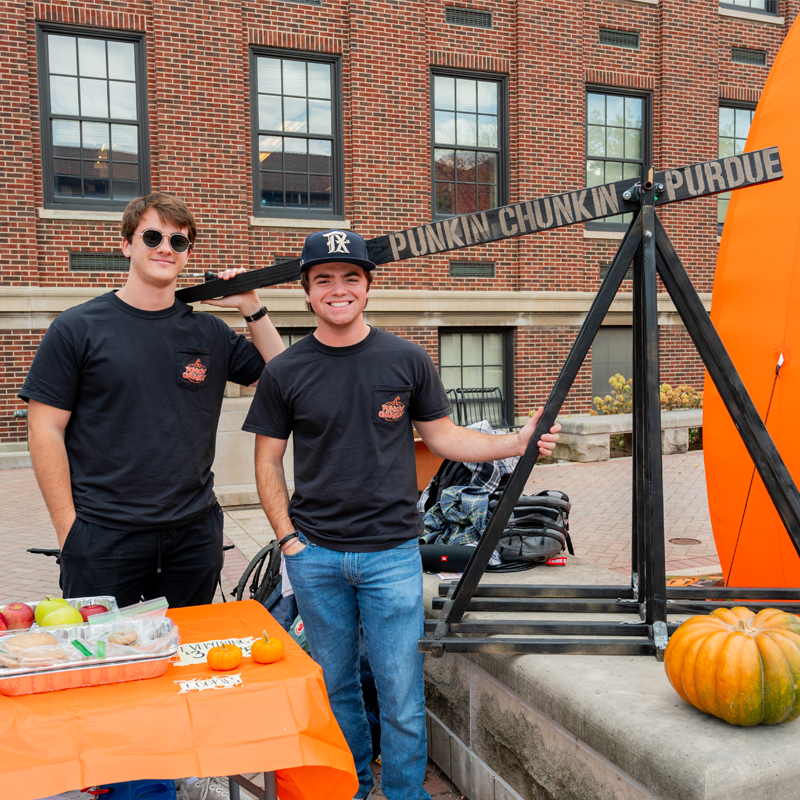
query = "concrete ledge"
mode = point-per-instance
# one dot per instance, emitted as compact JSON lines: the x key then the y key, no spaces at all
{"x":15,"y":460}
{"x":585,"y":438}
{"x":579,"y":727}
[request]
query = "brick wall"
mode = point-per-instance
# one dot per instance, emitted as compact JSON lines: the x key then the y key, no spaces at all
{"x":17,"y":348}
{"x":199,"y":116}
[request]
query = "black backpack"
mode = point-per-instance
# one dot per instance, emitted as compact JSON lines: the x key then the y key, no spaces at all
{"x":538,"y":528}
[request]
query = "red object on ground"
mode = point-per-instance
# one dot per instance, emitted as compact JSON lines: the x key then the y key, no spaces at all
{"x":278,"y":720}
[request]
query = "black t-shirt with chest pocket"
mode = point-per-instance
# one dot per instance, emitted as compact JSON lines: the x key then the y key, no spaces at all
{"x":350,"y":410}
{"x":145,"y":390}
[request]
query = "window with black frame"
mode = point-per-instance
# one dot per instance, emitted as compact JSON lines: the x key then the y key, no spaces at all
{"x":616,"y":143}
{"x":734,"y":125}
{"x":477,"y":359}
{"x":297,"y":139}
{"x":93,"y":108}
{"x":757,"y":6}
{"x":469,"y":149}
{"x":293,"y":336}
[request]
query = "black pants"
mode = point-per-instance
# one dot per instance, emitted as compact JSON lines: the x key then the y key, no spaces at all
{"x":181,"y":564}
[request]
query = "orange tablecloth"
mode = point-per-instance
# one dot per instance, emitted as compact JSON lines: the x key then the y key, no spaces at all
{"x":280,"y":720}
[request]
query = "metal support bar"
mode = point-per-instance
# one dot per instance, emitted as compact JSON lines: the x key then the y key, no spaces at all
{"x":269,"y":793}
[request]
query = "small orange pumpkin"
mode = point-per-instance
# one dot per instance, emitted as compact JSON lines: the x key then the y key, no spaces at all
{"x":266,"y":650}
{"x":739,"y":666}
{"x":224,"y":657}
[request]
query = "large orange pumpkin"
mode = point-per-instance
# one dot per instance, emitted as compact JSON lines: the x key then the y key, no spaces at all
{"x":739,"y":666}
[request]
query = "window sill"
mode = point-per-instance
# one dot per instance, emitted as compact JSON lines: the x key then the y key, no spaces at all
{"x":767,"y":18}
{"x":317,"y":224}
{"x":615,"y":235}
{"x":92,"y":216}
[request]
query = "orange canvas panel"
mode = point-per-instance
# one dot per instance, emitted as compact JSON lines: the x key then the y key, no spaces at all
{"x":280,"y":720}
{"x":755,"y":308}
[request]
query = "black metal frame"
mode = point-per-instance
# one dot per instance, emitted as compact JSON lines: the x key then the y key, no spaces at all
{"x":648,"y":600}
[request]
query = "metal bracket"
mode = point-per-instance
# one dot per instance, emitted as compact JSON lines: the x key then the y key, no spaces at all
{"x":660,"y":639}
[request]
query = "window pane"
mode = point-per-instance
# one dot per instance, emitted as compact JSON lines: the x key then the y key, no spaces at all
{"x":487,"y":97}
{"x":321,"y":191}
{"x":487,"y":197}
{"x":94,"y":98}
{"x":125,"y":181}
{"x":596,"y":109}
{"x":595,"y":174}
{"x":466,"y":95}
{"x":124,"y":142}
{"x":296,"y":190}
{"x":631,"y":171}
{"x":92,"y":58}
{"x":95,"y":140}
{"x":466,"y":130}
{"x":121,"y":61}
{"x":272,"y":189}
{"x":472,"y":349}
{"x":64,"y":95}
{"x":596,"y":141}
{"x":726,"y":148}
{"x":493,"y":376}
{"x":319,"y":80}
{"x":320,"y":117}
{"x":62,"y":54}
{"x":492,"y":348}
{"x":487,"y":131}
{"x":444,"y":165}
{"x":726,"y":117}
{"x":294,"y":110}
{"x":613,"y":172}
{"x":743,"y":117}
{"x":739,"y":145}
{"x":450,"y":349}
{"x":444,"y":90}
{"x":269,"y":75}
{"x":472,"y":377}
{"x":270,"y":152}
{"x":444,"y":198}
{"x":487,"y":167}
{"x":722,"y":205}
{"x":66,"y":138}
{"x":445,"y":127}
{"x":451,"y":377}
{"x":122,"y":97}
{"x":320,"y":157}
{"x":614,"y":142}
{"x":270,"y":115}
{"x":67,"y":178}
{"x":294,"y":153}
{"x":465,"y":166}
{"x":294,"y":78}
{"x":96,"y":183}
{"x":615,"y":110}
{"x":633,"y":144}
{"x":633,"y":112}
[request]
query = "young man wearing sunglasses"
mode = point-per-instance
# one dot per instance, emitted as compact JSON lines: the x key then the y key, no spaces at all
{"x":349,"y":393}
{"x":125,"y":395}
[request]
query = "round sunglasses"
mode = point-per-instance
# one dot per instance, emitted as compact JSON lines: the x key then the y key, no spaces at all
{"x":177,"y":241}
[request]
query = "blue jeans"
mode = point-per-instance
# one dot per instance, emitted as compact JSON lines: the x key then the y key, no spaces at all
{"x":383,"y":590}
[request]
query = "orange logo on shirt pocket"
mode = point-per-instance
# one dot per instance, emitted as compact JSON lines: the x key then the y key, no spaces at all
{"x":392,"y":411}
{"x":195,"y":372}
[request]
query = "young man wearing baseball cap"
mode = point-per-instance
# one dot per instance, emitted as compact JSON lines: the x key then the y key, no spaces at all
{"x":349,"y":393}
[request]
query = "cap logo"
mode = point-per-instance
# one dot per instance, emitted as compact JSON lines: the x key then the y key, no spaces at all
{"x":337,"y":242}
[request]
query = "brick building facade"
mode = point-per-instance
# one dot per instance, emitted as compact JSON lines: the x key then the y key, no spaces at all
{"x":276,"y":118}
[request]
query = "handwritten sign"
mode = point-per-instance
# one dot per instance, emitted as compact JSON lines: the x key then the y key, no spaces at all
{"x":213,"y":682}
{"x":197,"y":652}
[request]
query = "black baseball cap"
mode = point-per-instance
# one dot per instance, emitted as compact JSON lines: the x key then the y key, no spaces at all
{"x":324,"y":247}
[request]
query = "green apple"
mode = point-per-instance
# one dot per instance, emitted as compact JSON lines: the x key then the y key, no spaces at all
{"x":44,"y":607}
{"x":64,"y":615}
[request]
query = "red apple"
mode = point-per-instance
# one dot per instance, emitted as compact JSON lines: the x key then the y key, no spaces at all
{"x":88,"y":611}
{"x":3,"y":623}
{"x":18,"y":616}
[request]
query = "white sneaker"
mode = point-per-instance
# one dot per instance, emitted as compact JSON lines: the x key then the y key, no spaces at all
{"x":209,"y":789}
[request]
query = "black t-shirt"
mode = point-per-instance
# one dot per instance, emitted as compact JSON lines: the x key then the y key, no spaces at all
{"x":145,"y":390}
{"x":350,"y":409}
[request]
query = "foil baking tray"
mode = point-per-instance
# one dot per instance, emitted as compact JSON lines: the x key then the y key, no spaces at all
{"x":124,"y":665}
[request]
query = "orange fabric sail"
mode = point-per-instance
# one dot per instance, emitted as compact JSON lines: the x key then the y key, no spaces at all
{"x":756,"y":310}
